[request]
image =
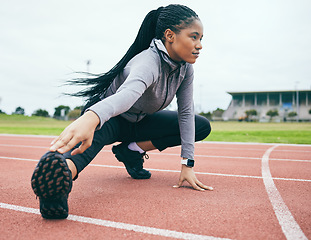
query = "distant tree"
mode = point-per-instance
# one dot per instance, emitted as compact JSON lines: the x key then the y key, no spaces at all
{"x":78,"y":107}
{"x":59,"y":109}
{"x":41,"y":113}
{"x":310,"y":111}
{"x":208,"y":115}
{"x":1,"y":112}
{"x":218,"y":112}
{"x":19,"y":111}
{"x":272,"y":113}
{"x":74,"y":114}
{"x":251,"y":112}
{"x":292,"y":114}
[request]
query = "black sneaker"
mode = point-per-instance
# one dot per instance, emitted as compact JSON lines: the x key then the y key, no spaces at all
{"x":52,"y":182}
{"x":133,"y":161}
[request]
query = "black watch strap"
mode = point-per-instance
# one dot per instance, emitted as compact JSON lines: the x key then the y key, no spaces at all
{"x":188,"y":162}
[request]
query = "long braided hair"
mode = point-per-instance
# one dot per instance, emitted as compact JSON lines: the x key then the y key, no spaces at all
{"x":175,"y":17}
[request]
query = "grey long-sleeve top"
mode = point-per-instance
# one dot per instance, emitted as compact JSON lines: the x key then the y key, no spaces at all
{"x":148,"y":84}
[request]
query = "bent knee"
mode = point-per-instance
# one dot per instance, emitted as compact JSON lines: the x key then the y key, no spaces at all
{"x":202,"y":128}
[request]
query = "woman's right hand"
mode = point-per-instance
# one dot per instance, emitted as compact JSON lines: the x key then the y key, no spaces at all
{"x":81,"y":130}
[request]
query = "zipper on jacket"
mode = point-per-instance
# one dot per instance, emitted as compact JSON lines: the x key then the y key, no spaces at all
{"x":138,"y":115}
{"x":170,"y":74}
{"x":167,"y":81}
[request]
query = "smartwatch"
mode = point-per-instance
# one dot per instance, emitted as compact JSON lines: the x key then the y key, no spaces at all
{"x":187,"y":162}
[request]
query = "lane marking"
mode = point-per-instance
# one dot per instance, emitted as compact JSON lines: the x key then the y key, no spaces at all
{"x":23,"y":146}
{"x":289,"y":226}
{"x":173,"y":171}
{"x":208,"y":143}
{"x":253,"y":158}
{"x":260,"y":149}
{"x":230,"y":157}
{"x":200,"y":142}
{"x":205,"y":173}
{"x":227,"y":148}
{"x":20,"y":159}
{"x":119,"y":225}
{"x":176,"y":154}
{"x":254,"y":143}
{"x":26,"y":135}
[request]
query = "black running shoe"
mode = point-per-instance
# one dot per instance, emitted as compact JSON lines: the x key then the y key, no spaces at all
{"x":133,"y":161}
{"x":52,"y":182}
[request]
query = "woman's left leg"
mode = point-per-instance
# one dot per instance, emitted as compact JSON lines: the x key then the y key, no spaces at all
{"x":162,"y":129}
{"x":157,"y":131}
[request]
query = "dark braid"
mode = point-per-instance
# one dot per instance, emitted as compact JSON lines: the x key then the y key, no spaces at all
{"x":175,"y":17}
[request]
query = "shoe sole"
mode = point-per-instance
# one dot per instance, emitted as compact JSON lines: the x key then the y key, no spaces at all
{"x":130,"y":171}
{"x":51,"y":182}
{"x":134,"y":174}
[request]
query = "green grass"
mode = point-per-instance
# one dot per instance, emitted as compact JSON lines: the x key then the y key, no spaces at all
{"x":18,"y":124}
{"x":298,"y":133}
{"x":291,"y":132}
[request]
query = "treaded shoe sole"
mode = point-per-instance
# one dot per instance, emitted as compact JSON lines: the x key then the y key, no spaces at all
{"x":133,"y":172}
{"x":138,"y":174}
{"x":51,"y":182}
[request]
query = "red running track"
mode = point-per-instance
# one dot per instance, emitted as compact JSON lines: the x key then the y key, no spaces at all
{"x":261,"y":191}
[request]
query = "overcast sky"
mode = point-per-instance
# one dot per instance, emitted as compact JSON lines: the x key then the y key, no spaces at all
{"x":248,"y":45}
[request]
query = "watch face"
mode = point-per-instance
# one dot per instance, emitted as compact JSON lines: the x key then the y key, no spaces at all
{"x":190,"y":163}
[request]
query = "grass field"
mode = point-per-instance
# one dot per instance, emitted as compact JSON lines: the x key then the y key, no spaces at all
{"x":18,"y":124}
{"x":290,"y":132}
{"x":298,"y":133}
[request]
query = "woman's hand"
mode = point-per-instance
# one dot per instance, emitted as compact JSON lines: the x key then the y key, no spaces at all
{"x":81,"y":130}
{"x":187,"y":174}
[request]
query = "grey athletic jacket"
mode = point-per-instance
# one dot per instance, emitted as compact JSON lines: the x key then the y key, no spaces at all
{"x":148,"y":84}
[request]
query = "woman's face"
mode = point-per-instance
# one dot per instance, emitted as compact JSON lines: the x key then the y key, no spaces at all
{"x":185,"y":45}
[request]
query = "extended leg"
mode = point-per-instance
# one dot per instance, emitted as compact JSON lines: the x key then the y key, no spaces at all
{"x":52,"y":178}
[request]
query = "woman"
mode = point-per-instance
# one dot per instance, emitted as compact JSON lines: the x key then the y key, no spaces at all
{"x":126,"y":105}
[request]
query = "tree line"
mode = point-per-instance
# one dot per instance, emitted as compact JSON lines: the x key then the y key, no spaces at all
{"x":250,"y":114}
{"x":61,"y":112}
{"x":64,"y":112}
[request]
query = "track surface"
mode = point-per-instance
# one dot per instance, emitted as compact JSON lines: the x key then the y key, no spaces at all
{"x":261,"y":191}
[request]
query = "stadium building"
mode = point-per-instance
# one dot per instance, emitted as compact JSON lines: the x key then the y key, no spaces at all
{"x":287,"y":103}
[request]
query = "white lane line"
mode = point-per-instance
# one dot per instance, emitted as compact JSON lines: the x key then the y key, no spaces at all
{"x":26,"y":135}
{"x":22,"y":146}
{"x":173,"y":171}
{"x":176,"y":154}
{"x":260,"y":149}
{"x":229,"y":157}
{"x":20,"y":159}
{"x":289,"y":226}
{"x":254,"y":143}
{"x":200,"y":142}
{"x":205,"y":173}
{"x":119,"y":225}
{"x":208,"y":144}
{"x":253,"y":158}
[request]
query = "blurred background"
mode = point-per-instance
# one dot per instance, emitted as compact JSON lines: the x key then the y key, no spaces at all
{"x":247,"y":46}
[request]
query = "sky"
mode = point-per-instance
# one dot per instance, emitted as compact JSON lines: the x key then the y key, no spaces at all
{"x":248,"y":45}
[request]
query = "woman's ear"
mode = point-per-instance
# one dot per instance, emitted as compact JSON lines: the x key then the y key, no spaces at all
{"x":169,"y":35}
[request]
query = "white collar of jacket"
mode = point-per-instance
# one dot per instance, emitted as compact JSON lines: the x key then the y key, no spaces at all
{"x":158,"y":44}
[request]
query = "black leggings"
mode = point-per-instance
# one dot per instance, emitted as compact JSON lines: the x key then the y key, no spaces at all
{"x":161,"y":128}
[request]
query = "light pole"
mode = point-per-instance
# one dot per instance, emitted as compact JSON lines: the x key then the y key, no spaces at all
{"x":88,"y":62}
